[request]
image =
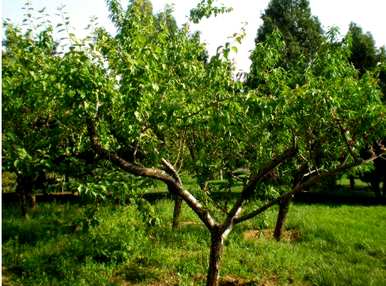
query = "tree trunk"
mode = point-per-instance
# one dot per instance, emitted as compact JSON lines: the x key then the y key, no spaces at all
{"x":24,"y":191}
{"x":375,"y":186}
{"x":176,"y":212}
{"x":352,"y":183}
{"x":281,"y":217}
{"x":23,"y":204}
{"x":216,"y":247}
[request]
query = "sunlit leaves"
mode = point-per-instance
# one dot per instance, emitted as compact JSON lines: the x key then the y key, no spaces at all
{"x":205,"y":9}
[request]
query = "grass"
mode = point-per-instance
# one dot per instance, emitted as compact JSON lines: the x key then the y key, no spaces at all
{"x":64,"y":244}
{"x":359,"y":184}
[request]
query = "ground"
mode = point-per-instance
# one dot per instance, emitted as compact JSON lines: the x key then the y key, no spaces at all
{"x":68,"y":244}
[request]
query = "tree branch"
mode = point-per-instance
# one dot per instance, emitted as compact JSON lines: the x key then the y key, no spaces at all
{"x":253,"y":181}
{"x":301,"y":186}
{"x":172,"y":181}
{"x":343,"y":133}
{"x":180,"y":158}
{"x":171,"y":171}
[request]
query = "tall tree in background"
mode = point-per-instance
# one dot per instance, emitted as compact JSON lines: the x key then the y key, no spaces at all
{"x":365,"y":56}
{"x":382,"y":71}
{"x":363,"y":50}
{"x":302,"y":33}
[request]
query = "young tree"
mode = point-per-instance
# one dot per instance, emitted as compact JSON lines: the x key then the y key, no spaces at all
{"x":31,"y":130}
{"x":277,"y":129}
{"x":160,"y":69}
{"x":366,"y":58}
{"x":321,"y":67}
{"x":41,"y":139}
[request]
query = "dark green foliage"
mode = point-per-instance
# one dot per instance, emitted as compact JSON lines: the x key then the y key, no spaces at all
{"x":363,"y":51}
{"x":382,"y":80}
{"x":381,"y":58}
{"x":302,"y":35}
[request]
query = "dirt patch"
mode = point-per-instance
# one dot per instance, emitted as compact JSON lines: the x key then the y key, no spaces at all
{"x":231,"y":280}
{"x":171,"y":280}
{"x":272,"y":281}
{"x":166,"y":280}
{"x":287,"y":235}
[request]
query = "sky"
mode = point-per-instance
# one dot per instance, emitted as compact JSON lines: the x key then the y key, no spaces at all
{"x":368,"y":14}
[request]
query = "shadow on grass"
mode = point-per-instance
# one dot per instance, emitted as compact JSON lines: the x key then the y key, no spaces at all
{"x":135,"y":274}
{"x":339,"y":196}
{"x":42,"y":225}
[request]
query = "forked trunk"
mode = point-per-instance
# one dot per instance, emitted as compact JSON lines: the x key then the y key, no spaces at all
{"x":281,"y":217}
{"x":176,"y":211}
{"x":216,"y":247}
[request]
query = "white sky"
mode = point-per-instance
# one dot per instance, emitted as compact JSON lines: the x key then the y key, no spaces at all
{"x":369,"y":14}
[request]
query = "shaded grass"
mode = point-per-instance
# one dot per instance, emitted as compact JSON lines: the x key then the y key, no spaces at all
{"x":107,"y":245}
{"x":345,"y":181}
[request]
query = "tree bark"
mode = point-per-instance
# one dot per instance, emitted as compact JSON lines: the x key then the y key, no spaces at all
{"x":177,"y":199}
{"x":176,"y":212}
{"x":352,"y":183}
{"x":281,"y":217}
{"x":216,"y":248}
{"x":24,"y":191}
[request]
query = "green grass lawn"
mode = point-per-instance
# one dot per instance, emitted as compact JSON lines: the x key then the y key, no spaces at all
{"x":107,"y":245}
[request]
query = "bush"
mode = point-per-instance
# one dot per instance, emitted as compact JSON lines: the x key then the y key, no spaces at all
{"x":117,"y":236}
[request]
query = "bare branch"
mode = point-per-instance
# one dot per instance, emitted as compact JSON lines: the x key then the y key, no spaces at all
{"x":253,"y":181}
{"x":301,"y":186}
{"x":194,"y":204}
{"x":171,"y":171}
{"x":172,"y":181}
